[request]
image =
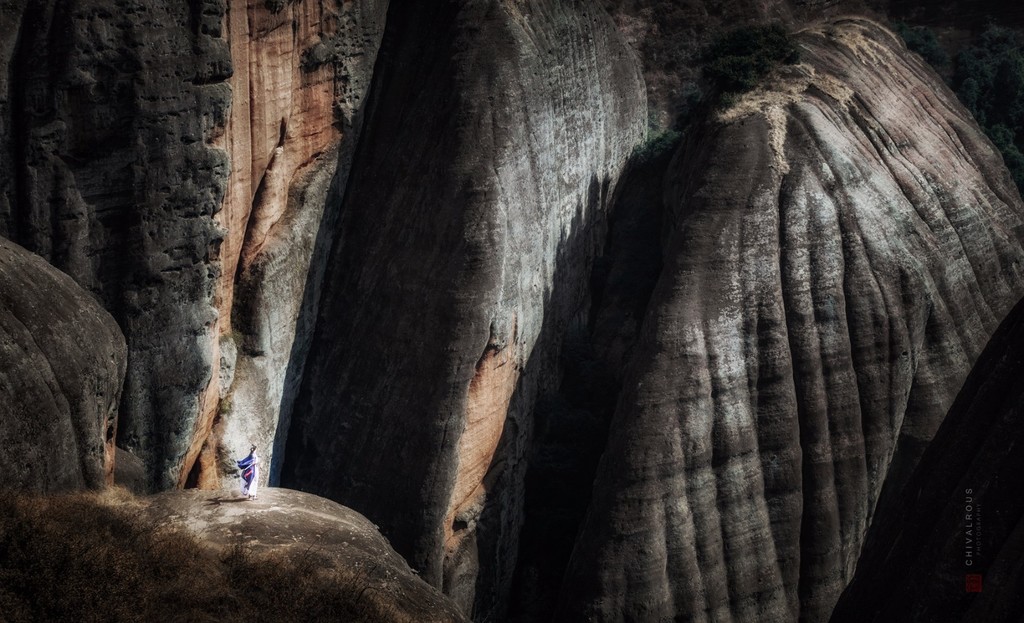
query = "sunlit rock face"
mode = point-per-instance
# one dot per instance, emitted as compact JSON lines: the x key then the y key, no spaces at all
{"x":839,"y":247}
{"x":161,"y":153}
{"x":296,"y":526}
{"x":961,"y":512}
{"x":301,"y":73}
{"x":62,"y":362}
{"x":497,"y":135}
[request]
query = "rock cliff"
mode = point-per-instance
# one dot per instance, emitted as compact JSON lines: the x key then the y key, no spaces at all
{"x":62,"y":362}
{"x":960,"y":514}
{"x":160,"y":153}
{"x":378,"y":240}
{"x":496,"y":136}
{"x":838,"y":249}
{"x":301,"y":72}
{"x":115,"y":183}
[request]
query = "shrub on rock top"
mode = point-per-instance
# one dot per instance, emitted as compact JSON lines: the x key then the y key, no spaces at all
{"x":741,"y":59}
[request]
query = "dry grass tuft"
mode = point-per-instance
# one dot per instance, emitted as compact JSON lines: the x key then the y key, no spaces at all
{"x":94,"y":557}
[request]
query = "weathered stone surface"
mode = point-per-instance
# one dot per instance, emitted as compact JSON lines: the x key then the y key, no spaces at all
{"x":160,"y":152}
{"x":301,"y":526}
{"x":571,"y":425}
{"x":62,"y":362}
{"x":11,"y":12}
{"x":839,"y":247}
{"x":496,"y":135}
{"x":301,"y":75}
{"x":130,"y":472}
{"x":111,"y":105}
{"x":962,"y":512}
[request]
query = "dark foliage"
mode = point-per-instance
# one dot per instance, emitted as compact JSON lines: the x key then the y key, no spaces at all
{"x":739,"y":60}
{"x":989,"y":80}
{"x":922,"y":40}
{"x":658,"y":144}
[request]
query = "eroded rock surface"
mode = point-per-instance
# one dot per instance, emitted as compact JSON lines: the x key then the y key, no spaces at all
{"x":498,"y":132}
{"x":62,"y":362}
{"x":161,"y":152}
{"x":302,"y":70}
{"x":112,"y":103}
{"x":962,"y":512}
{"x":304,"y":527}
{"x":839,"y":247}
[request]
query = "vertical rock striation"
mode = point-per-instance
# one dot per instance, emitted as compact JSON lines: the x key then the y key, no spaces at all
{"x":301,"y":73}
{"x":112,"y":103}
{"x":496,"y":133}
{"x":12,"y":11}
{"x":571,"y":425}
{"x":839,"y":247}
{"x":962,"y":512}
{"x":62,"y":362}
{"x":160,"y":153}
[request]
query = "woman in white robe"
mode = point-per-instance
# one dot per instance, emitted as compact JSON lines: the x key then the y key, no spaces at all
{"x":250,"y":467}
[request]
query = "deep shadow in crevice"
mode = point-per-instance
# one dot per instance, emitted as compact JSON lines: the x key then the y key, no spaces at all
{"x":591,"y":333}
{"x":489,"y":556}
{"x":305,"y":325}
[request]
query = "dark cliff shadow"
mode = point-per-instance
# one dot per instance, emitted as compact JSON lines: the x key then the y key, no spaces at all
{"x":319,"y":271}
{"x":951,"y":547}
{"x":541,"y":479}
{"x":510,"y":503}
{"x":225,"y":500}
{"x":572,"y":415}
{"x":386,"y":447}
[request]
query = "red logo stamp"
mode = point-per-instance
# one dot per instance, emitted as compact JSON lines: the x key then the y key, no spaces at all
{"x":973,"y":584}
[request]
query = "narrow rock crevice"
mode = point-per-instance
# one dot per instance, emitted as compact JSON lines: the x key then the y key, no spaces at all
{"x":289,"y":162}
{"x":571,"y":422}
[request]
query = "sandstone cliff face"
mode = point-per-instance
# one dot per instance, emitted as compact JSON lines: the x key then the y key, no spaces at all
{"x":62,"y":362}
{"x":160,"y":152}
{"x":960,"y":513}
{"x":497,"y":134}
{"x":838,"y":249}
{"x":301,"y":73}
{"x":116,"y":185}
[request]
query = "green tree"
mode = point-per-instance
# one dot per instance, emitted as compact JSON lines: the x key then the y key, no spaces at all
{"x":922,"y":40}
{"x":989,"y":80}
{"x":739,"y":60}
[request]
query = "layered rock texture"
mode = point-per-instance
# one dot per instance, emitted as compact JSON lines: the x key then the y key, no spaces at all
{"x":497,"y":135}
{"x":115,"y":184}
{"x":160,"y":152}
{"x":838,"y":249}
{"x":962,"y":512}
{"x":301,"y":73}
{"x":297,"y":526}
{"x":378,"y":241}
{"x":62,"y":363}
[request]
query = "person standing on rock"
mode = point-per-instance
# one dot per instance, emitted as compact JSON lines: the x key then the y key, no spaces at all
{"x":250,"y":467}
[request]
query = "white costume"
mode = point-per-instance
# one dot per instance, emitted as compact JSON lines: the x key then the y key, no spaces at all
{"x":250,"y":467}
